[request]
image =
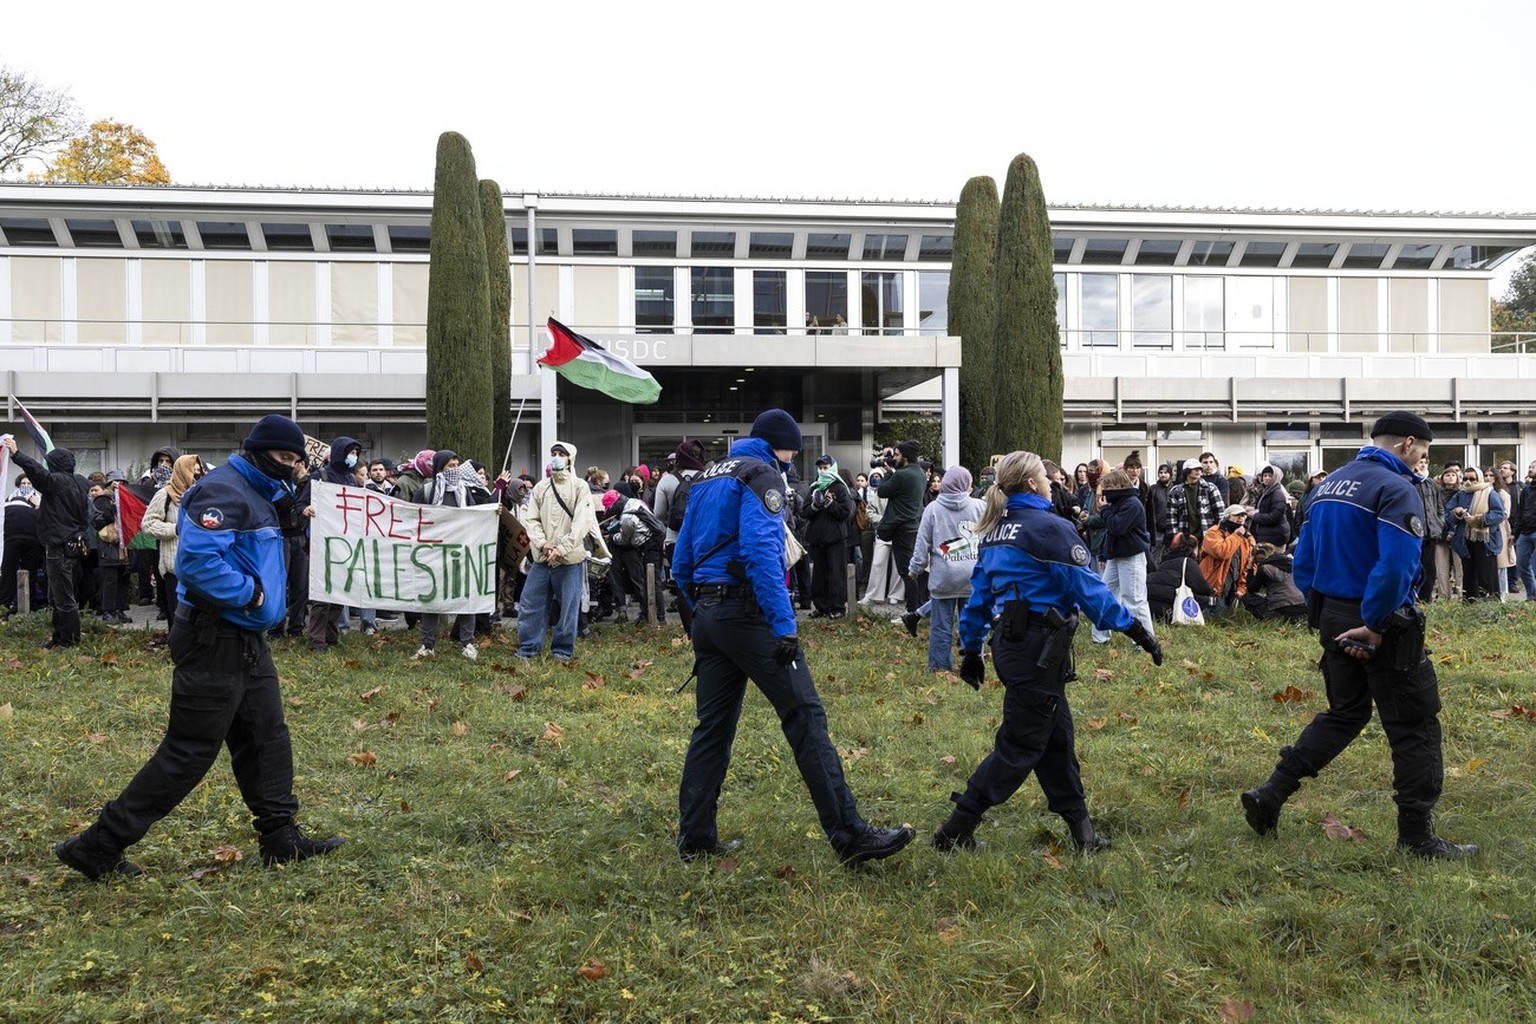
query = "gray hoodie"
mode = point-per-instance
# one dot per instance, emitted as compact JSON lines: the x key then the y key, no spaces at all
{"x":946,"y":547}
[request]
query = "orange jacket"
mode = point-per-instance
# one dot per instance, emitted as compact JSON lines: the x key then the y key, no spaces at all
{"x":1217,"y":551}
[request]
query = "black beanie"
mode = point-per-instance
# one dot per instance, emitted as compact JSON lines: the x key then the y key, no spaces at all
{"x":909,"y":450}
{"x":275,"y":433}
{"x":1403,"y":424}
{"x":779,"y":429}
{"x":441,"y":459}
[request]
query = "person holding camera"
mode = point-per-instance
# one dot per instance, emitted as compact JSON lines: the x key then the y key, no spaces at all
{"x":1357,"y":560}
{"x":1226,"y":554}
{"x":829,"y":509}
{"x":903,"y":491}
{"x":1031,"y":578}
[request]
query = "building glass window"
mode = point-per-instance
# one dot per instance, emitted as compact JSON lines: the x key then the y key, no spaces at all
{"x":1158,"y":252}
{"x":1061,"y":249}
{"x":1251,"y":311}
{"x":654,"y":289}
{"x":94,"y":234}
{"x":827,"y":247}
{"x":1210,"y":254}
{"x":714,"y":243}
{"x":1315,"y":254}
{"x":770,"y":245}
{"x":549,"y":241}
{"x":350,"y":237}
{"x":1415,"y":257}
{"x":288,"y":238}
{"x":1061,"y":306}
{"x":27,"y":231}
{"x":1463,"y":257}
{"x":594,"y":242}
{"x":885,"y":247}
{"x":158,"y":234}
{"x":882,"y":302}
{"x":1104,"y":250}
{"x":1205,"y":318}
{"x":1100,"y":310}
{"x":933,"y":302}
{"x":1365,"y":256}
{"x":826,"y":299}
{"x":1262,"y":254}
{"x":714,"y":299}
{"x":936,"y":247}
{"x":223,"y":234}
{"x":655,"y":243}
{"x":770,"y":301}
{"x":1152,"y":310}
{"x":410,"y":238}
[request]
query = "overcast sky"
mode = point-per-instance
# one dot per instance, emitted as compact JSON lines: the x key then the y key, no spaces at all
{"x":1347,"y":104}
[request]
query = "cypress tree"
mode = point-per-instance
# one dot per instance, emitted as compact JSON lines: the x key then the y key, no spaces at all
{"x":972,"y":307}
{"x":1030,"y":384}
{"x":499,"y":271}
{"x":458,"y":309}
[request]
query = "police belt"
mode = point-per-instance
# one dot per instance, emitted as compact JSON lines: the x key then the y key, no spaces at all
{"x":701,"y":590}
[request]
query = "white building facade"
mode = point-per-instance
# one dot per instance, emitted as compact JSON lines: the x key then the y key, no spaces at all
{"x":133,"y":317}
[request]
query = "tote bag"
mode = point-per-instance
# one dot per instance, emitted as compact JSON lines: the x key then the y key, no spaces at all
{"x":1186,"y":610}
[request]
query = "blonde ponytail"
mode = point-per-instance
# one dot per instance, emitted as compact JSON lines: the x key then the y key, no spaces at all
{"x":1014,"y":472}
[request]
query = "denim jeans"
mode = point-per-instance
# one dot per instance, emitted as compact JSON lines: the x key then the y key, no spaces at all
{"x":942,"y":613}
{"x":548,"y":590}
{"x":1126,"y":578}
{"x":1525,"y":560}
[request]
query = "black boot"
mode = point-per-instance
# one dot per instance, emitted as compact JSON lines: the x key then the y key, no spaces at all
{"x":94,"y":858}
{"x":1261,"y":806}
{"x":1416,"y":836}
{"x":290,"y":844}
{"x":1085,"y":838}
{"x":958,"y":831}
{"x":872,"y":843}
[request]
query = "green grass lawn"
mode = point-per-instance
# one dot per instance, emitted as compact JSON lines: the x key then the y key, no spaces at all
{"x":511,"y":856}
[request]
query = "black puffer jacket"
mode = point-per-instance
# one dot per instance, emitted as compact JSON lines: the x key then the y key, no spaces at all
{"x":66,"y":495}
{"x":1523,"y":521}
{"x":827,"y":514}
{"x":1124,"y":519}
{"x":1272,"y":519}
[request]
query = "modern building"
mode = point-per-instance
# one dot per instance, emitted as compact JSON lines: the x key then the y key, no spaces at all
{"x":130,"y":317}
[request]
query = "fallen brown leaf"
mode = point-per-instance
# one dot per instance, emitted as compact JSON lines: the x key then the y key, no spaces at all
{"x":948,"y":759}
{"x":352,"y":663}
{"x":509,"y":776}
{"x":1333,"y":828}
{"x":1096,"y":722}
{"x":296,"y":702}
{"x":363,"y":757}
{"x":1100,"y":946}
{"x":405,"y":808}
{"x":227,"y":854}
{"x":1051,"y":860}
{"x":1236,"y":1011}
{"x":32,"y":879}
{"x":785,"y":871}
{"x":592,"y":970}
{"x":553,"y":733}
{"x":948,"y":930}
{"x":474,"y":963}
{"x":1183,"y":800}
{"x":1103,"y":674}
{"x":109,"y":658}
{"x":460,"y":729}
{"x":96,"y":737}
{"x":369,"y":695}
{"x":14,"y":665}
{"x":1291,"y":695}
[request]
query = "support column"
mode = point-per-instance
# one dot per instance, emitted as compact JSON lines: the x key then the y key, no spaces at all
{"x":949,"y":419}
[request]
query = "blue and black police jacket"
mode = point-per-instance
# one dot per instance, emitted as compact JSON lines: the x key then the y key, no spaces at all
{"x":741,"y":495}
{"x":1035,"y":556}
{"x":227,"y":539}
{"x":1363,"y":534}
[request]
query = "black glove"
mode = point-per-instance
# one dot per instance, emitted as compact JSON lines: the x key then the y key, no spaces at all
{"x":973,"y":670}
{"x":786,"y":649}
{"x":1146,"y":641}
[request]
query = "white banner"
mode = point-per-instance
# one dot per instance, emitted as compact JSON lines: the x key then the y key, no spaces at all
{"x":6,"y":486}
{"x":369,"y":550}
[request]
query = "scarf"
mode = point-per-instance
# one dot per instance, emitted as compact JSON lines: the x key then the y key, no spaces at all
{"x":1477,"y":530}
{"x":453,"y":481}
{"x":1192,"y":511}
{"x":825,"y":477}
{"x":182,"y":475}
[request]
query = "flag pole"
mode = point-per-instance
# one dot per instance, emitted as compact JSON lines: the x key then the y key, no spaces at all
{"x":506,"y":460}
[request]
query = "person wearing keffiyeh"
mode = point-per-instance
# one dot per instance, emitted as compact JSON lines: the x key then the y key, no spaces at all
{"x":828,"y":513}
{"x":453,"y":485}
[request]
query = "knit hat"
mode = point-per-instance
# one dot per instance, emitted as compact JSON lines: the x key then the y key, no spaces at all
{"x":1403,"y":424}
{"x":779,"y":429}
{"x":644,"y":471}
{"x":957,"y":480}
{"x":609,"y":499}
{"x":909,"y":450}
{"x":1233,"y":471}
{"x":116,"y":476}
{"x":423,"y":461}
{"x":690,"y":454}
{"x":440,"y":459}
{"x":275,"y":432}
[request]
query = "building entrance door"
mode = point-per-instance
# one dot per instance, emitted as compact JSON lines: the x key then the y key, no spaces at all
{"x":654,"y":441}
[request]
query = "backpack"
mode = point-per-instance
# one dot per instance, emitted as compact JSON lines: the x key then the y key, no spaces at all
{"x":679,"y":503}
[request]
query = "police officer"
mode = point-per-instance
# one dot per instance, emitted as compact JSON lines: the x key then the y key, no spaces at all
{"x":1033,"y":575}
{"x":729,"y":564}
{"x":230,"y":582}
{"x":1357,"y":561}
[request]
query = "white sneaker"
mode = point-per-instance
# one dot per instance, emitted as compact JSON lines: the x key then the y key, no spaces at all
{"x":422,"y":652}
{"x":471,"y":651}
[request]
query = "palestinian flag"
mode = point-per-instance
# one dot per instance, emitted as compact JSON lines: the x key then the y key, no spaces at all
{"x":39,"y":435}
{"x":131,"y":501}
{"x":587,"y":364}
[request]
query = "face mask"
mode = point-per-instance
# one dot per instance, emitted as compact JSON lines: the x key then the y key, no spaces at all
{"x":26,"y":490}
{"x":557,"y":463}
{"x":351,"y":461}
{"x":161,"y":475}
{"x":268,"y":464}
